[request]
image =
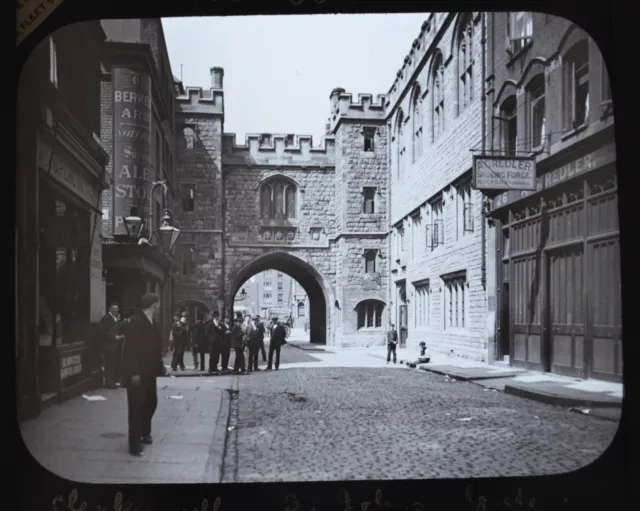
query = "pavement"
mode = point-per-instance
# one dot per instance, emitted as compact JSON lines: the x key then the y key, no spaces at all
{"x":86,"y":440}
{"x":585,"y":396}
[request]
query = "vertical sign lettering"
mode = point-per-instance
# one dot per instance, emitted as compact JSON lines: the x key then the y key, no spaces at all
{"x":131,"y":145}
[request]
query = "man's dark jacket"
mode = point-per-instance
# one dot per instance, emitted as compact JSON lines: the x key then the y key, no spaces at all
{"x":142,"y":352}
{"x":109,"y":328}
{"x":237,"y":337}
{"x":199,"y":336}
{"x":278,"y":335}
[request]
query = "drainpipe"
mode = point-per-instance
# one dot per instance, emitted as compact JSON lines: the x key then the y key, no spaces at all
{"x":483,"y":96}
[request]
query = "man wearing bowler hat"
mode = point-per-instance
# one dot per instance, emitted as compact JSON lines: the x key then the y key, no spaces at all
{"x":142,"y":363}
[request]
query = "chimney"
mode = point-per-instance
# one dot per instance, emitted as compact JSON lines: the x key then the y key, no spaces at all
{"x":217,"y":75}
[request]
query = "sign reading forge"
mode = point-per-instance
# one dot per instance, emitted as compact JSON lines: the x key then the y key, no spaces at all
{"x":132,"y":119}
{"x":504,"y":173}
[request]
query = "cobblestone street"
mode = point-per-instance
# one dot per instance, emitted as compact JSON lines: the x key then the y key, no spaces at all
{"x":323,"y":416}
{"x":366,"y":423}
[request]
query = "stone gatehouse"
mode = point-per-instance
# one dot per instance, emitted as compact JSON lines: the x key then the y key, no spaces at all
{"x":316,"y":213}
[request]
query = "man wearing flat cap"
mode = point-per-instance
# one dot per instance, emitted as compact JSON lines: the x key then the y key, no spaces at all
{"x":142,"y":363}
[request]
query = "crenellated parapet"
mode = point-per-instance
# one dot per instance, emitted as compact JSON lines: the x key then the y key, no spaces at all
{"x":278,"y":149}
{"x":430,"y":35}
{"x":364,"y":109}
{"x":197,"y":101}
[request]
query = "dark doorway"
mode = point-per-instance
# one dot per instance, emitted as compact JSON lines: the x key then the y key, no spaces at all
{"x":308,"y":278}
{"x":505,"y":334}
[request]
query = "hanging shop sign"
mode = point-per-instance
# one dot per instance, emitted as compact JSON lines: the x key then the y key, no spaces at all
{"x":504,"y":173}
{"x":132,"y":123}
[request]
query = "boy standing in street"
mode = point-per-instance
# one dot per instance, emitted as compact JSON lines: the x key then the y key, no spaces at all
{"x":392,"y":343}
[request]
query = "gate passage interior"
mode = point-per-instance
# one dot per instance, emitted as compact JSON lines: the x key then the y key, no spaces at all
{"x":563,"y":264}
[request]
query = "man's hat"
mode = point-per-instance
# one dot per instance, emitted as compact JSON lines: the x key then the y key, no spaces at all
{"x":274,"y":318}
{"x":148,"y":299}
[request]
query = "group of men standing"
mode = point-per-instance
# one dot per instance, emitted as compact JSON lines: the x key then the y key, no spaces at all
{"x":209,"y":335}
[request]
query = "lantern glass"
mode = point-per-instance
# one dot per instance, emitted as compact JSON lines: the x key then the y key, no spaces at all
{"x":168,"y":236}
{"x":134,"y":226}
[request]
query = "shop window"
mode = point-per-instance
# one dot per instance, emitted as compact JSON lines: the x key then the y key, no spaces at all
{"x":519,"y":31}
{"x":576,"y":85}
{"x":369,"y":200}
{"x":64,"y":268}
{"x":536,"y":112}
{"x":370,"y":314}
{"x":509,"y":126}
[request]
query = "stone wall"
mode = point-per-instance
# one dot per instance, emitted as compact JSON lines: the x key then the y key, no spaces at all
{"x":361,"y":231}
{"x":442,"y":159}
{"x":199,"y":165}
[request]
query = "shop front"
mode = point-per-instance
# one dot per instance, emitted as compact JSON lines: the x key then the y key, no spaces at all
{"x":70,"y":286}
{"x":133,"y":270}
{"x":558,"y":257}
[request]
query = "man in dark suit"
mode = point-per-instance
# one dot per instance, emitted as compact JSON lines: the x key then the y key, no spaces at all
{"x":111,"y":344}
{"x":237,"y":338}
{"x":261,"y":332}
{"x":213,"y":333}
{"x":278,"y":336}
{"x":225,"y":331}
{"x":200,"y":345}
{"x":180,"y":332}
{"x":142,"y":364}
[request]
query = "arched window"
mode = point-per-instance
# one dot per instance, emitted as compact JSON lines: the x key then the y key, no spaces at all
{"x":437,"y":80}
{"x":465,"y":63}
{"x":536,"y":114}
{"x":189,"y":137}
{"x":417,"y":123}
{"x":370,"y":314}
{"x":278,"y":199}
{"x":576,"y":86}
{"x":509,"y":125}
{"x":401,"y":146}
{"x":301,"y":309}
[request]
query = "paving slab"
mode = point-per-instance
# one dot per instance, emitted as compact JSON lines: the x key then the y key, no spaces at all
{"x":559,"y":394}
{"x":471,"y":373}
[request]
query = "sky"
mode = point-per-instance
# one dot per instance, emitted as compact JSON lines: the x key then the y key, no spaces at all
{"x":280,"y":70}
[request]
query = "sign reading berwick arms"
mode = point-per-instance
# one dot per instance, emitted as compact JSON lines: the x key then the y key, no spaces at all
{"x":504,"y":173}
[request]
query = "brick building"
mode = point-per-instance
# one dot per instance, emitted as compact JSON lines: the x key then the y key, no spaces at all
{"x":558,"y":253}
{"x":137,"y":130}
{"x":60,"y":176}
{"x":438,"y":269}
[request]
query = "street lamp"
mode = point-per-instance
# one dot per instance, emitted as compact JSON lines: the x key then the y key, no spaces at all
{"x":167,"y":233}
{"x":241,"y":296}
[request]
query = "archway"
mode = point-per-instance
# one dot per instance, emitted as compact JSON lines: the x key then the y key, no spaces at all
{"x":193,"y":308}
{"x":310,"y":280}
